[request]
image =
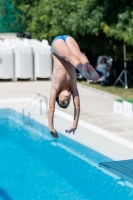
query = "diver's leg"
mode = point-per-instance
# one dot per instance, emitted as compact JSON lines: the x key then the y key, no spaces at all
{"x":60,"y":49}
{"x":86,"y":69}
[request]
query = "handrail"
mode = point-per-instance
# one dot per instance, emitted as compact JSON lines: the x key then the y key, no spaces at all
{"x":27,"y":103}
{"x":38,"y":100}
{"x":43,"y":97}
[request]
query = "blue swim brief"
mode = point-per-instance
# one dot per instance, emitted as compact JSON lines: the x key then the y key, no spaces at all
{"x":63,"y":37}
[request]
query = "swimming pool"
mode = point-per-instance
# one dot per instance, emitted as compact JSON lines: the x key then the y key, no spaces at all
{"x":35,"y":166}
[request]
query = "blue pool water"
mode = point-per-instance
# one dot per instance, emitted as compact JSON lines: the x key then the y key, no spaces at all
{"x":35,"y":166}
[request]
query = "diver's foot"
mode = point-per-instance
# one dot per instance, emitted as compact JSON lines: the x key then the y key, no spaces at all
{"x":94,"y":75}
{"x":89,"y":72}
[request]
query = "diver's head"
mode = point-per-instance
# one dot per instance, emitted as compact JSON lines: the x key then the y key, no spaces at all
{"x":64,"y":96}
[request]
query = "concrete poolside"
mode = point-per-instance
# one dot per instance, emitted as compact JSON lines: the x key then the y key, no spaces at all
{"x":96,"y":106}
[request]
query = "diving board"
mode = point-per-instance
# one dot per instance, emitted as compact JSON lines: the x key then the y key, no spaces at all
{"x":123,"y":168}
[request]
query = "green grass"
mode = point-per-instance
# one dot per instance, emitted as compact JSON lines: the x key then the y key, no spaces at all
{"x":119,"y":100}
{"x":118,"y":90}
{"x":129,"y":100}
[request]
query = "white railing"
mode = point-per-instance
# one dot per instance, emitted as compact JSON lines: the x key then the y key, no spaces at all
{"x":34,"y":104}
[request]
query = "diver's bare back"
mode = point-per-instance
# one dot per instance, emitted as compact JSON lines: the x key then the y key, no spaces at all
{"x":63,"y":74}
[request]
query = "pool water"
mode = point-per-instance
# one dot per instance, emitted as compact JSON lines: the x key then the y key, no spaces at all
{"x":35,"y":166}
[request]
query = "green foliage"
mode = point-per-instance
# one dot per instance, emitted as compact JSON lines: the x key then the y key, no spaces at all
{"x":10,"y":17}
{"x":48,"y":18}
{"x":97,"y":25}
{"x":123,"y":29}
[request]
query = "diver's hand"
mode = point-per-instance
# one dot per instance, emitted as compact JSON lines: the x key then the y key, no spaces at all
{"x":72,"y":129}
{"x":53,"y":132}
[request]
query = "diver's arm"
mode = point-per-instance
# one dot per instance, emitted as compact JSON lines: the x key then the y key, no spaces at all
{"x":53,"y":94}
{"x":76,"y":102}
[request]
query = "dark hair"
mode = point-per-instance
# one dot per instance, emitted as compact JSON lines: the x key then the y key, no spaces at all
{"x":61,"y":105}
{"x":104,"y":58}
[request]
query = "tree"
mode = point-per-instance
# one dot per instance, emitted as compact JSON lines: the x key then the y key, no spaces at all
{"x":97,"y":25}
{"x":123,"y":29}
{"x":48,"y":18}
{"x":10,"y":17}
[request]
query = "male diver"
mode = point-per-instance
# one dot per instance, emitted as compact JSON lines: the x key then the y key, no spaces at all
{"x":67,"y":56}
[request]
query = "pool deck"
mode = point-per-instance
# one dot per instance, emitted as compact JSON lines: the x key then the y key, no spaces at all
{"x":96,"y":108}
